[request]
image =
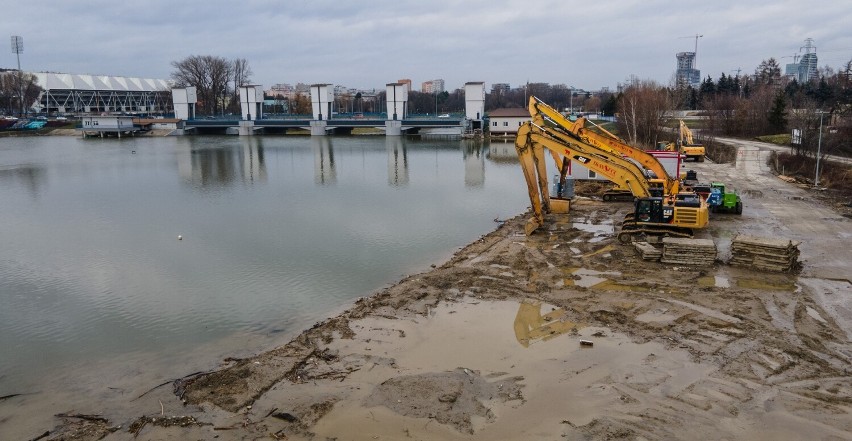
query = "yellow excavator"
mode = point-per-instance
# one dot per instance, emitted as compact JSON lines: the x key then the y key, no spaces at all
{"x":654,"y":215}
{"x":685,"y":144}
{"x":546,"y":116}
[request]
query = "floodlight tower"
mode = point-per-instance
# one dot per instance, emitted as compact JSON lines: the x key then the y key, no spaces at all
{"x":17,"y":49}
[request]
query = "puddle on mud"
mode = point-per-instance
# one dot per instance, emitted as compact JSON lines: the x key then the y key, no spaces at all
{"x":603,"y":250}
{"x":600,"y":231}
{"x":532,"y":325}
{"x":770,"y":284}
{"x":609,"y":285}
{"x":658,"y":315}
{"x":502,"y":341}
{"x":714,"y":281}
{"x":586,"y":278}
{"x":814,"y":314}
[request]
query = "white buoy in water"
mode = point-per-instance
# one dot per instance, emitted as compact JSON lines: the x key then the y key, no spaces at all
{"x":180,"y":237}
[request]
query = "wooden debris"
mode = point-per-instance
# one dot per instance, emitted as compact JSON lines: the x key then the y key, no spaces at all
{"x":684,"y":251}
{"x":766,"y":254}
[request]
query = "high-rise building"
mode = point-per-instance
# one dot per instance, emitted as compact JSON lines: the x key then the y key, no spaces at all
{"x":687,"y":74}
{"x":804,"y":67}
{"x":808,"y":62}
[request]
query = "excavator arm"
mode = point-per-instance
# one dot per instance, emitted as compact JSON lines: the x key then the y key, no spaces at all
{"x":544,"y":115}
{"x":688,"y":146}
{"x":685,"y":134}
{"x":530,"y":143}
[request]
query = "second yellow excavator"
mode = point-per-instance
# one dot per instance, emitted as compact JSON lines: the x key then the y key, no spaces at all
{"x":546,"y":116}
{"x":652,"y":215}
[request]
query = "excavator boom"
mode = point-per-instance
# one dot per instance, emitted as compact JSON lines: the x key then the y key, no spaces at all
{"x":653,"y":215}
{"x":688,"y":146}
{"x":544,"y":115}
{"x":530,"y":143}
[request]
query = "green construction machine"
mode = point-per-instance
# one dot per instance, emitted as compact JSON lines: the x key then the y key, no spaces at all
{"x":722,"y":201}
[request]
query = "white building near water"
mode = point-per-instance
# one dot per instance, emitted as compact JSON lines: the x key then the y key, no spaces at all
{"x":107,"y":124}
{"x":505,"y":122}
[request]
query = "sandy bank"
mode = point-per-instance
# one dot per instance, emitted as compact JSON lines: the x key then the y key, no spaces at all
{"x":488,"y":346}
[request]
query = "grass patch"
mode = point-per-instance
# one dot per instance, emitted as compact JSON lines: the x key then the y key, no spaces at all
{"x":776,"y":139}
{"x":833,"y":176}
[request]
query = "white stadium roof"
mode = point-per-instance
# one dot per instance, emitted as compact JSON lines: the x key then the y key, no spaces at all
{"x":56,"y":81}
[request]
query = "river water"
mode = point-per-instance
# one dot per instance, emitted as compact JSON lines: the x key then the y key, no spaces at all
{"x":277,"y":234}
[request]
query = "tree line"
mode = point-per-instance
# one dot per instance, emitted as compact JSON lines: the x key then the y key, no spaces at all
{"x":765,"y":103}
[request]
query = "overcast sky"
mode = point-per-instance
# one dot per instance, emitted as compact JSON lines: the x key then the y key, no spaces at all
{"x":367,"y":44}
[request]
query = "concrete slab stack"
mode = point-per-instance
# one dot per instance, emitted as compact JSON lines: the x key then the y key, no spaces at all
{"x":648,"y":251}
{"x":777,"y":255}
{"x":684,"y":251}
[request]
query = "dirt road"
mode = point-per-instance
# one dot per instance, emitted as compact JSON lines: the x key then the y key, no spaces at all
{"x":563,"y":334}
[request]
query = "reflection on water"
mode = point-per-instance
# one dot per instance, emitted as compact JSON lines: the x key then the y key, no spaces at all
{"x":31,"y":177}
{"x":201,"y":165}
{"x":397,"y":161}
{"x":324,"y":171}
{"x":205,"y":164}
{"x":474,"y":165}
{"x":90,"y":269}
{"x":531,"y":325}
{"x":502,"y":151}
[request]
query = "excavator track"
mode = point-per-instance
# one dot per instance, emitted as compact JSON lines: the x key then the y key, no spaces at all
{"x":631,"y":229}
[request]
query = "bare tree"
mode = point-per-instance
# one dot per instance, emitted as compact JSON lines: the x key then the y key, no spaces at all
{"x":300,"y":104}
{"x":210,"y":76}
{"x":241,"y":77}
{"x":644,"y":107}
{"x":11,"y":85}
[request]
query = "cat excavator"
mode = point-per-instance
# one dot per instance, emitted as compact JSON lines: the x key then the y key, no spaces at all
{"x":653,"y":215}
{"x":546,"y":116}
{"x":685,"y":144}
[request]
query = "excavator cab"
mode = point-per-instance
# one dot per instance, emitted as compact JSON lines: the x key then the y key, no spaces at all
{"x":653,"y":210}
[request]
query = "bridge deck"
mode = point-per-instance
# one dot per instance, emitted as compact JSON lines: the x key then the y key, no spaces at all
{"x":331,"y":124}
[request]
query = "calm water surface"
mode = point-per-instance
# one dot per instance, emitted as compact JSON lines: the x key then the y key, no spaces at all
{"x":278,"y":233}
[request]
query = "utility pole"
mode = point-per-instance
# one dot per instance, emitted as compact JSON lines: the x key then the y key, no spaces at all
{"x":571,"y":90}
{"x":819,"y":146}
{"x":739,"y":86}
{"x":17,"y":49}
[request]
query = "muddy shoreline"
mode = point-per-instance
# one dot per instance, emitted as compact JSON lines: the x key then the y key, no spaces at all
{"x":563,"y":334}
{"x":488,"y":346}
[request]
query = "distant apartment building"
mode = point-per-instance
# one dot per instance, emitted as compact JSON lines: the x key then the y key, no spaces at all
{"x":501,"y":88}
{"x":687,"y":74}
{"x":406,"y":82}
{"x":281,"y":90}
{"x":432,"y":86}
